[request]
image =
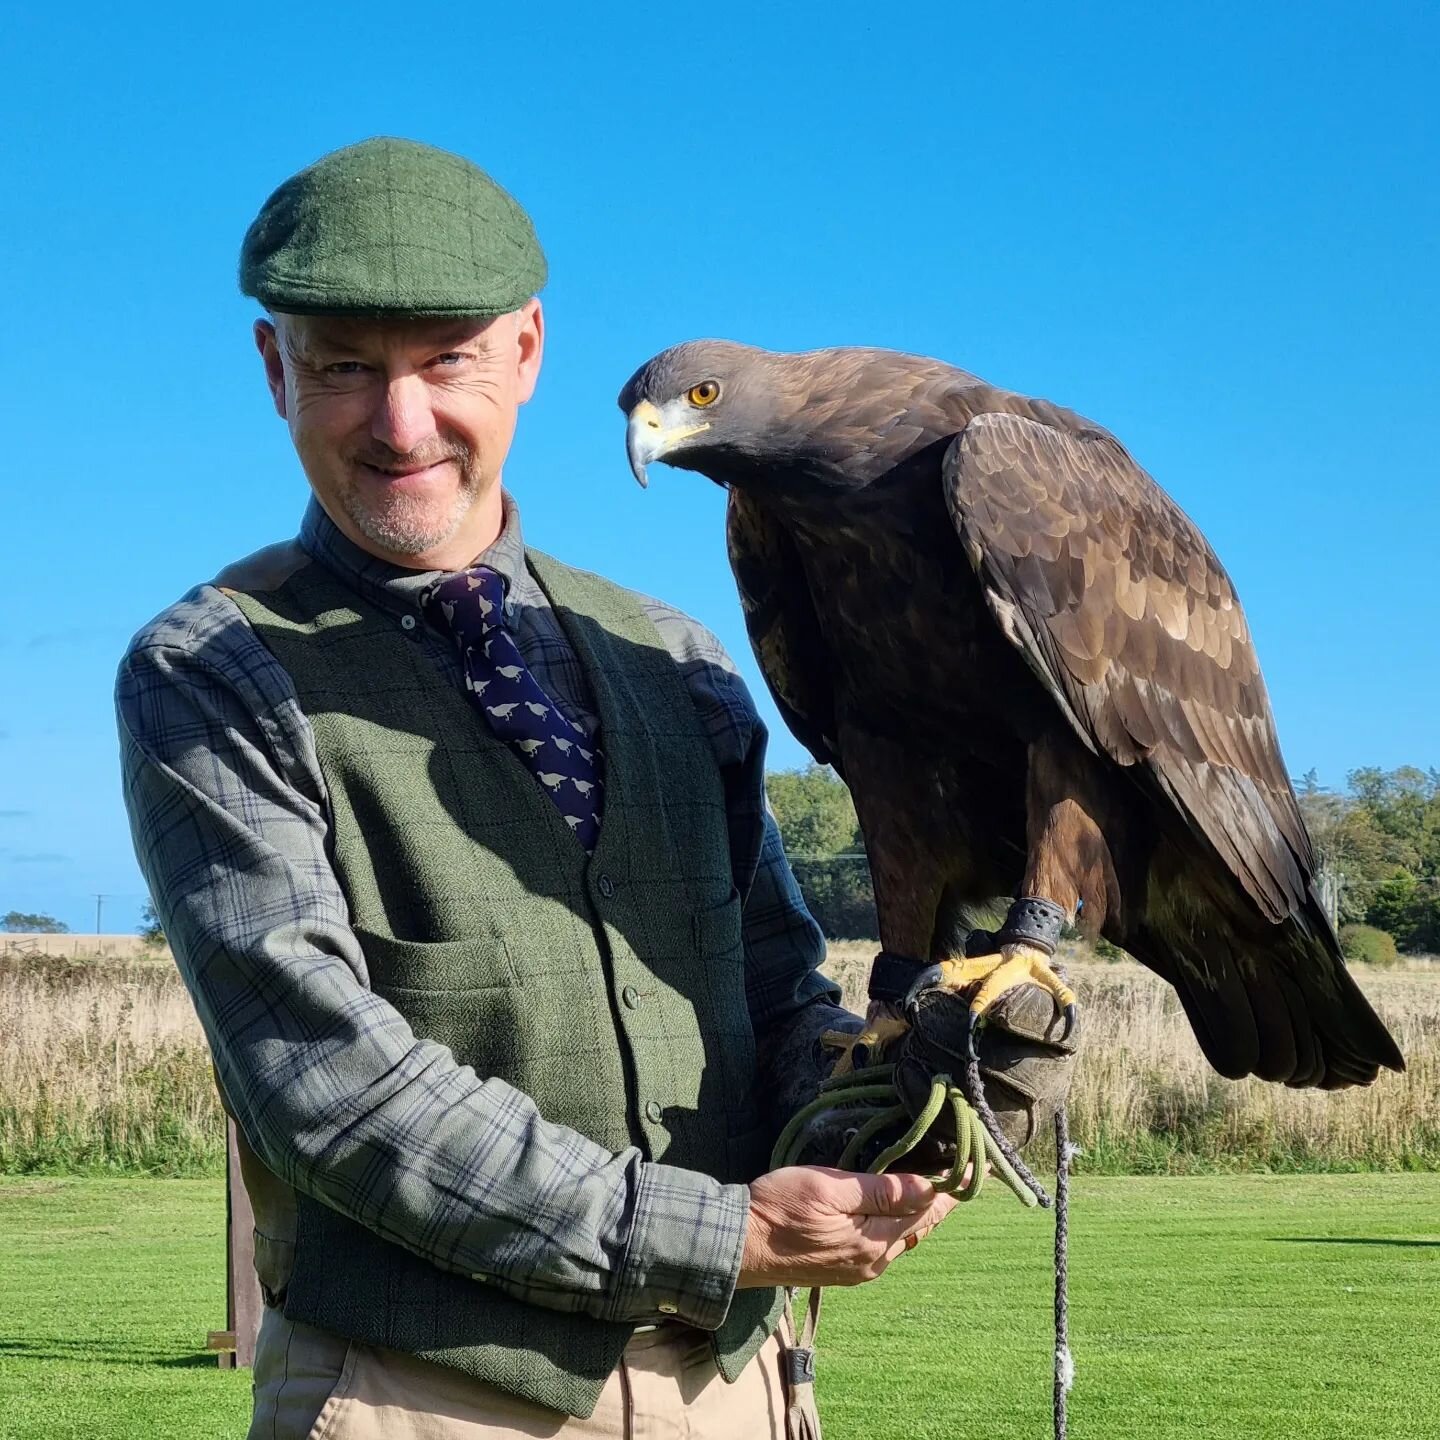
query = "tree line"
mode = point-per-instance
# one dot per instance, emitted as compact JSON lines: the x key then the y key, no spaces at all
{"x":817,"y":822}
{"x":26,"y":922}
{"x":1377,"y":845}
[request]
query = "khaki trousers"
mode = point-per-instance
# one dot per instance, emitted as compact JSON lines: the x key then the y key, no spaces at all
{"x":311,"y":1385}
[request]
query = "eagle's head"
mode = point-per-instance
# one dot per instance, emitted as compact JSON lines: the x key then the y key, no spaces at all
{"x":710,"y":405}
{"x":801,"y":426}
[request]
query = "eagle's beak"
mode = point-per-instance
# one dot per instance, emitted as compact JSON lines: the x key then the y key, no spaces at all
{"x":644,"y":439}
{"x":653,"y":433}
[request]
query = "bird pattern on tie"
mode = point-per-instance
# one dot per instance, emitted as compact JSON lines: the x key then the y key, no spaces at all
{"x":566,"y":764}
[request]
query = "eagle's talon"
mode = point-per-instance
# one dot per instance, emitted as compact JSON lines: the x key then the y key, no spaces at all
{"x":974,"y":1023}
{"x":1071,"y":1016}
{"x":865,"y":1047}
{"x":989,"y":978}
{"x":927,"y":979}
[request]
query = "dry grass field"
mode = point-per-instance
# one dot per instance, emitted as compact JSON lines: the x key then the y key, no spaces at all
{"x":1145,"y":1101}
{"x":103,"y":1068}
{"x":83,"y":947}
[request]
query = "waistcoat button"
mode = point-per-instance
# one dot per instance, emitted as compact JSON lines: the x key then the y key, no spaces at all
{"x":631,"y":996}
{"x":606,"y":886}
{"x":653,"y":1112}
{"x":407,"y":622}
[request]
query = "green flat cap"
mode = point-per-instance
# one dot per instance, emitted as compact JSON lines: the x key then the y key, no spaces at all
{"x":391,"y":227}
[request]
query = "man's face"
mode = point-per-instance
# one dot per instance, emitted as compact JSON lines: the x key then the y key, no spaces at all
{"x":402,"y":426}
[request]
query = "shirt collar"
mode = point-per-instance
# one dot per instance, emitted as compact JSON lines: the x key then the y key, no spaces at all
{"x":392,"y":587}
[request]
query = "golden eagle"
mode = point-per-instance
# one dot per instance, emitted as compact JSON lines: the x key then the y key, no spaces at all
{"x":1036,"y":679}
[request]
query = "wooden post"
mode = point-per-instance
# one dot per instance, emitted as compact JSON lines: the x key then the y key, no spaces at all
{"x":243,"y":1301}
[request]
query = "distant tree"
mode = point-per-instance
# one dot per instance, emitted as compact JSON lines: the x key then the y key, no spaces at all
{"x":17,"y":922}
{"x":1379,"y":844}
{"x":838,"y":892}
{"x":1400,"y":800}
{"x":150,"y":928}
{"x":1367,"y":855}
{"x":817,"y":822}
{"x":1355,"y":851}
{"x":1408,"y":906}
{"x":814,"y":811}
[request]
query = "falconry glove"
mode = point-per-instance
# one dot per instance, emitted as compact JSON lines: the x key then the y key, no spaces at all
{"x":1026,"y":1061}
{"x":1025,"y":1066}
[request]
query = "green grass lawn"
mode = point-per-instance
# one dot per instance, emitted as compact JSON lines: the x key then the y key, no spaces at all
{"x":107,"y":1290}
{"x":1238,"y":1308}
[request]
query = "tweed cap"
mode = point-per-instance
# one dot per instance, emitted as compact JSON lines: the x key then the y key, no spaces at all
{"x":391,"y":227}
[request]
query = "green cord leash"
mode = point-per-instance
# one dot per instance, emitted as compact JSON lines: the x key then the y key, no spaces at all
{"x":871,"y":1097}
{"x":874,"y":1089}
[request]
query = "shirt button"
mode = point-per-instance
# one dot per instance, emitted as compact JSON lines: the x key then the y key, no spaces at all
{"x":631,"y":996}
{"x":407,"y":622}
{"x":606,"y":886}
{"x":653,"y":1113}
{"x":666,"y":1308}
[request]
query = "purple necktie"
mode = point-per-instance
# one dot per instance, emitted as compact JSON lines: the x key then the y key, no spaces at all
{"x":562,"y":758}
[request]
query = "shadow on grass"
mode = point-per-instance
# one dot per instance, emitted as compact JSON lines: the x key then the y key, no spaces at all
{"x":1356,"y":1240}
{"x":102,"y":1354}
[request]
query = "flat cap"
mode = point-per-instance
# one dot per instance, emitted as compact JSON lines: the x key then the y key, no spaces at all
{"x":391,"y":227}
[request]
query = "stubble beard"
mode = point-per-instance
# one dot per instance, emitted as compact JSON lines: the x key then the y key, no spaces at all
{"x":410,"y":525}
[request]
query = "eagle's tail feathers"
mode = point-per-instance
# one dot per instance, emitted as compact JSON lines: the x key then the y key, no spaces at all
{"x":1284,"y":1007}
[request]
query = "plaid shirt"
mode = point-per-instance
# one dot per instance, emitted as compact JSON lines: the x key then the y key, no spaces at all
{"x":229,"y":815}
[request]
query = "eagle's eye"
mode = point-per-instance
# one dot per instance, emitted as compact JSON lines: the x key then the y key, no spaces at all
{"x":707,"y":392}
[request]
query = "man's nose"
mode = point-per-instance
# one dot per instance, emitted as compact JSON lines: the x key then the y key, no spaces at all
{"x":404,"y":419}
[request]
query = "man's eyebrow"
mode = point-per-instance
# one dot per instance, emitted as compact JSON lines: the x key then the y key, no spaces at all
{"x":318,"y":343}
{"x":306,"y":344}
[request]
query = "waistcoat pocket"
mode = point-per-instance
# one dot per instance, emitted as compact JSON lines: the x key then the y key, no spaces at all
{"x":463,"y":994}
{"x":477,"y":963}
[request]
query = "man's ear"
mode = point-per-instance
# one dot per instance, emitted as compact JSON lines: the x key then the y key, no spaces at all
{"x":267,"y":342}
{"x":529,"y":347}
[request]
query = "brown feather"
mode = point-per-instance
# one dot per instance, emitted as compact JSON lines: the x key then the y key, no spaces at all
{"x":1201,"y":701}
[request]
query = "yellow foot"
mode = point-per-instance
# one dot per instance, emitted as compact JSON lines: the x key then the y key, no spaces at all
{"x":880,"y":1029}
{"x":995,"y":975}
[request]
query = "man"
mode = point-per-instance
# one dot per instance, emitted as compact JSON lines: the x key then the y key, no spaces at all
{"x":465,"y":859}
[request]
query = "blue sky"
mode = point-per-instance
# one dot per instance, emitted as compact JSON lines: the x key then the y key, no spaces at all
{"x":1210,"y":228}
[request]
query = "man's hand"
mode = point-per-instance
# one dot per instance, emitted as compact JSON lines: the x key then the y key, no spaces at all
{"x":810,"y":1225}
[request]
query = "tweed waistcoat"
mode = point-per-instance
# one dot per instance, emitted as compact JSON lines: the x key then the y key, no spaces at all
{"x":484,"y":922}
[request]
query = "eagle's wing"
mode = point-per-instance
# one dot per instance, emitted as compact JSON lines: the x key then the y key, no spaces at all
{"x":1122,"y":609}
{"x":780,"y":618}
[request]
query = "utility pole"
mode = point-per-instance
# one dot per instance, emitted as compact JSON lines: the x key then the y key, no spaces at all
{"x":99,"y":907}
